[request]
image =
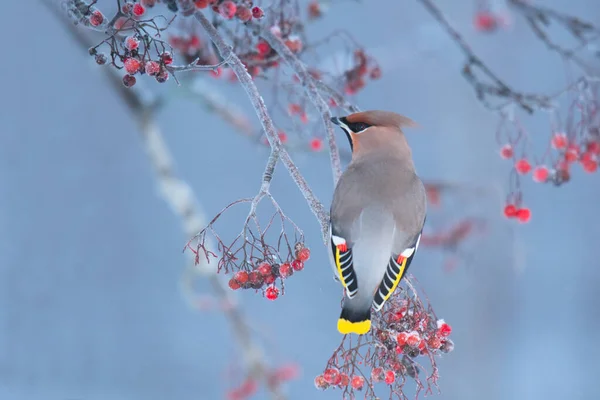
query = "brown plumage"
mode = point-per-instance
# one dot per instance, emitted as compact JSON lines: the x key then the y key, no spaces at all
{"x":377,"y":214}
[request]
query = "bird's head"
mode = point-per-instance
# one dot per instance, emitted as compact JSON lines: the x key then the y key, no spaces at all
{"x":372,"y":130}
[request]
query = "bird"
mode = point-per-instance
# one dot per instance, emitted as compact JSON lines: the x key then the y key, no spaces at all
{"x":377,"y":214}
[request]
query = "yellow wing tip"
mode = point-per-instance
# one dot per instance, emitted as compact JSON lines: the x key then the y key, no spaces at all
{"x":360,"y":328}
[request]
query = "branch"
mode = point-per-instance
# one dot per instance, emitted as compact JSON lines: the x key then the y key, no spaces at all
{"x":226,"y":53}
{"x":311,"y":91}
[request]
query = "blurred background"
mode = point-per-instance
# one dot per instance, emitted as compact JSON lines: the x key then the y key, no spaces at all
{"x":91,"y":260}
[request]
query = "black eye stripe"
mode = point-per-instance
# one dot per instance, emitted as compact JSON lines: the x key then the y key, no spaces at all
{"x":358,"y":126}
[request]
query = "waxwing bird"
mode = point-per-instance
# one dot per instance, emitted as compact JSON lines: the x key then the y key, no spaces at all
{"x":376,"y":217}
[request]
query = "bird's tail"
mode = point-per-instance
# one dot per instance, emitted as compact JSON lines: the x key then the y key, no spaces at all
{"x":355,"y":318}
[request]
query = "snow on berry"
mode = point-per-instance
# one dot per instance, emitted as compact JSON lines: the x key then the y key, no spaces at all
{"x":506,"y":151}
{"x":401,"y":338}
{"x":330,"y":375}
{"x":303,"y":254}
{"x":97,"y":18}
{"x":132,"y":43}
{"x":241,"y":277}
{"x":377,"y":374}
{"x":167,"y":58}
{"x":297,"y":265}
{"x":444,"y":329}
{"x":344,"y":380}
{"x":228,"y":9}
{"x":129,"y":80}
{"x":413,"y":339}
{"x":286,"y":270}
{"x":233,"y":284}
{"x":244,"y":14}
{"x":132,"y":65}
{"x":390,"y":377}
{"x":152,"y":68}
{"x":321,"y":383}
{"x":272,"y":293}
{"x":357,"y":382}
{"x":264,"y":269}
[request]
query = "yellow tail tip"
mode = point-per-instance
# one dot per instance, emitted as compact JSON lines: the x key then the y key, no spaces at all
{"x":360,"y":328}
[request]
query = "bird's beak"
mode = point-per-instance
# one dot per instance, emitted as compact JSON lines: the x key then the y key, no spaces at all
{"x":335,"y":120}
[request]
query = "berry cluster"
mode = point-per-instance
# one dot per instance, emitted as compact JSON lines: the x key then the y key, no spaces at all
{"x":403,"y":331}
{"x":264,"y":274}
{"x":364,"y":67}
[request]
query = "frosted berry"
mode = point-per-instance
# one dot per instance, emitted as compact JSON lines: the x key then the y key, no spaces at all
{"x":447,"y":346}
{"x":510,"y":211}
{"x":263,"y":48}
{"x":401,"y":338}
{"x":540,"y":174}
{"x":331,"y":375}
{"x":522,"y":166}
{"x":272,"y":293}
{"x":434,"y":342}
{"x":201,"y":3}
{"x":523,"y":215}
{"x":485,"y":21}
{"x":152,"y":68}
{"x":243,"y":14}
{"x":255,"y":278}
{"x":344,"y":380}
{"x":264,"y":269}
{"x":559,"y":141}
{"x":127,"y":7}
{"x":101,"y":59}
{"x":162,"y":76}
{"x":167,"y":58}
{"x":444,"y":329}
{"x":390,"y":377}
{"x":506,"y":151}
{"x":227,"y":9}
{"x":129,"y":80}
{"x":241,"y":277}
{"x":572,"y":154}
{"x":269,"y":279}
{"x":321,"y":383}
{"x":316,"y":144}
{"x":233,"y":284}
{"x":257,"y":12}
{"x":132,"y":43}
{"x":303,"y":254}
{"x":138,"y":10}
{"x":297,"y":265}
{"x":132,"y":65}
{"x":377,"y":374}
{"x":97,"y":18}
{"x":286,"y":270}
{"x":413,"y":339}
{"x":375,"y":73}
{"x":357,"y":382}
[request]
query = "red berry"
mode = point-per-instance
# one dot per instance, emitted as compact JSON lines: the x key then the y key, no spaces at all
{"x":243,"y":14}
{"x":269,"y":279}
{"x":344,"y":380}
{"x":233,"y":284}
{"x":413,"y":339}
{"x":132,"y":65}
{"x":314,"y":9}
{"x":303,"y":254}
{"x":294,"y":108}
{"x":510,"y":211}
{"x":264,"y":269}
{"x":127,"y":7}
{"x":263,"y":48}
{"x":294,"y":44}
{"x":331,"y":375}
{"x":390,"y":377}
{"x":444,"y":329}
{"x":593,"y":147}
{"x":132,"y":43}
{"x":138,"y":10}
{"x":149,"y":3}
{"x":375,"y":73}
{"x":572,"y":153}
{"x":285,"y":270}
{"x":316,"y":144}
{"x":152,"y":68}
{"x":590,"y":166}
{"x":523,"y":215}
{"x":357,"y":382}
{"x":506,"y":151}
{"x":97,"y":18}
{"x":321,"y":383}
{"x":162,"y":76}
{"x":401,"y":338}
{"x":272,"y":293}
{"x":485,"y":21}
{"x":559,"y":141}
{"x":201,"y":3}
{"x":540,"y":174}
{"x":282,"y":137}
{"x":257,"y":12}
{"x":101,"y":59}
{"x":129,"y":80}
{"x":377,"y":374}
{"x":522,"y":166}
{"x":167,"y":58}
{"x":434,"y":342}
{"x":228,"y":9}
{"x":241,"y":277}
{"x":297,"y":265}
